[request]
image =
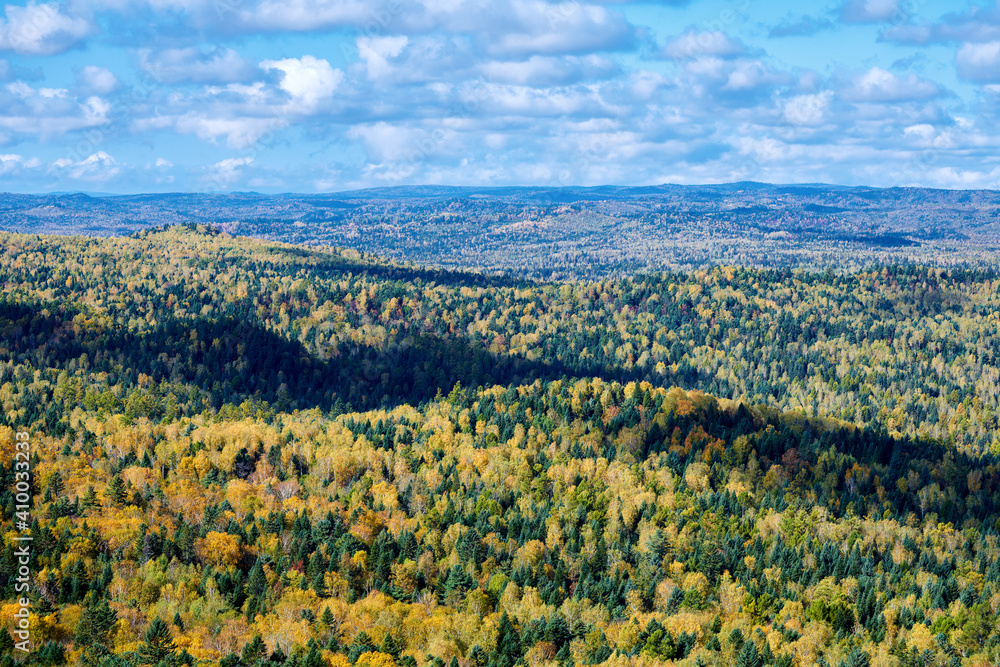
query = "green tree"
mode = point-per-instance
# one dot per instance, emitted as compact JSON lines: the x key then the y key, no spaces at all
{"x":157,"y":643}
{"x":116,"y":492}
{"x":253,"y":651}
{"x":856,"y":658}
{"x":748,"y":656}
{"x":94,"y":631}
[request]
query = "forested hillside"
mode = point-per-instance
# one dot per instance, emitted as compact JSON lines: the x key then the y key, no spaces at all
{"x":249,"y":454}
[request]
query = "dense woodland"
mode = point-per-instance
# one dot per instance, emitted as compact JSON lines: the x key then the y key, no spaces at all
{"x":249,"y":454}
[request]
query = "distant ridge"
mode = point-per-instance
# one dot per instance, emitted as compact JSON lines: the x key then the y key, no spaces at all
{"x":571,"y":231}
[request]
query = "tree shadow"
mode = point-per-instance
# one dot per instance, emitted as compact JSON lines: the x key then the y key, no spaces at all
{"x":232,"y":360}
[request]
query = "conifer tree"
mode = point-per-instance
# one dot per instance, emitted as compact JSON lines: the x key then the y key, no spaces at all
{"x":157,"y":643}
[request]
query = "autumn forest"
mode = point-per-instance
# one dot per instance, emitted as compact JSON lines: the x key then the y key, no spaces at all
{"x":252,"y":454}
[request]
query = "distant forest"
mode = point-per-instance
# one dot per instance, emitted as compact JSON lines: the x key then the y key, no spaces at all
{"x":573,"y":232}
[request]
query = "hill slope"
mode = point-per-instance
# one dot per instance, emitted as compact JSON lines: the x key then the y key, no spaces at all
{"x":298,"y":457}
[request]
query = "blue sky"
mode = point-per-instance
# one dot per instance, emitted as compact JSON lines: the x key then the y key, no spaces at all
{"x":326,"y":95}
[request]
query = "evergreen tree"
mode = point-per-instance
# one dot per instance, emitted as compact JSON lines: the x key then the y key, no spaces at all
{"x":253,"y":651}
{"x":390,"y":646}
{"x":157,"y":643}
{"x":116,"y":491}
{"x":508,"y":646}
{"x":856,"y":658}
{"x":94,"y":631}
{"x":6,"y":641}
{"x":362,"y":644}
{"x":748,"y":656}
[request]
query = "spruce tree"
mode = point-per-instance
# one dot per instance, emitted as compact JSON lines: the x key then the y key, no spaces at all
{"x":856,"y":658}
{"x":362,"y":644}
{"x":390,"y":646}
{"x":253,"y":651}
{"x":748,"y":656}
{"x":94,"y":631}
{"x":116,"y":492}
{"x":157,"y":643}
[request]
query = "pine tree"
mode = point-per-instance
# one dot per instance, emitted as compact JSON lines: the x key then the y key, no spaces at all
{"x":256,"y":580}
{"x":116,"y":492}
{"x":362,"y":644}
{"x":157,"y":643}
{"x":390,"y":646}
{"x":313,"y":658}
{"x":748,"y":656}
{"x":508,"y":646}
{"x":857,"y":658}
{"x":90,"y":497}
{"x":94,"y":631}
{"x":253,"y":651}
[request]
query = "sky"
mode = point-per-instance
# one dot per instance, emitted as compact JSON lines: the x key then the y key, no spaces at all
{"x":125,"y":96}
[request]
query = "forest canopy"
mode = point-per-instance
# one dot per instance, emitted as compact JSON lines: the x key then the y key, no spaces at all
{"x":250,"y":454}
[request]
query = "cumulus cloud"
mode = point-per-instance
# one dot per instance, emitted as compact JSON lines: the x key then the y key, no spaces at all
{"x":195,"y":65}
{"x":224,"y":174}
{"x":377,"y":51}
{"x":98,"y":167}
{"x":979,"y":62}
{"x":48,"y":112}
{"x":550,"y":71}
{"x":308,"y":80}
{"x":505,"y":29}
{"x":96,"y":80}
{"x":975,"y":24}
{"x":542,"y":28}
{"x":40,"y":30}
{"x":693,"y":45}
{"x":807,"y":109}
{"x":13,"y":163}
{"x":310,"y":15}
{"x":240,"y":132}
{"x":879,"y":85}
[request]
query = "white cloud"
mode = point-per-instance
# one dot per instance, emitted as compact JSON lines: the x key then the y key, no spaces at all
{"x":97,"y":80}
{"x":225,"y":173}
{"x":98,"y":167}
{"x":40,"y":30}
{"x":807,"y":109}
{"x":309,"y":80}
{"x":979,"y":62}
{"x":376,"y":51}
{"x":870,"y":11}
{"x":695,"y":45}
{"x":240,"y":132}
{"x":309,"y":15}
{"x":48,"y":112}
{"x":549,"y":70}
{"x":12,"y":163}
{"x":534,"y":27}
{"x":385,"y":142}
{"x":879,"y":85}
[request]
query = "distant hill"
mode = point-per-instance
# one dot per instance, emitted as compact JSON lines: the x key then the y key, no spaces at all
{"x":573,"y":231}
